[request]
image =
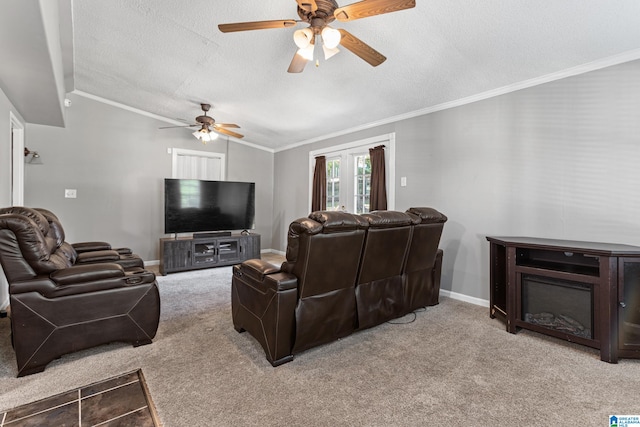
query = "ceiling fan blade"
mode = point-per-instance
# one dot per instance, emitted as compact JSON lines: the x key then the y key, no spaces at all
{"x":226,"y":125}
{"x":297,"y":64}
{"x":361,"y":49}
{"x":308,"y":5}
{"x":228,"y":132}
{"x":183,"y":126}
{"x":256,"y":25}
{"x":366,"y":8}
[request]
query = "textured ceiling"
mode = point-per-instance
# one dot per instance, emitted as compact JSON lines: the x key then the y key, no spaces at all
{"x":166,"y":57}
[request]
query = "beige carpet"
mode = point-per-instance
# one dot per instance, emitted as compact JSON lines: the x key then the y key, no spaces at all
{"x":452,"y":366}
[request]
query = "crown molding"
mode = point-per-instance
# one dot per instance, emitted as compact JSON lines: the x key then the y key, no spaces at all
{"x":621,"y":58}
{"x":158,"y":117}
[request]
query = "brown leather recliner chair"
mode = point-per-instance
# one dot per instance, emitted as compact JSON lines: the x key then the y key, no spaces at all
{"x":77,"y":253}
{"x":58,"y":308}
{"x":323,"y":253}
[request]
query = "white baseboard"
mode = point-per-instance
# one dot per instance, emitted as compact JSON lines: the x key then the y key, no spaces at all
{"x":152,"y":262}
{"x":465,"y":298}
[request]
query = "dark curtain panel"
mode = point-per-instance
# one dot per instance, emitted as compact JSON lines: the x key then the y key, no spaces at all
{"x":378,"y":197}
{"x":319,"y":196}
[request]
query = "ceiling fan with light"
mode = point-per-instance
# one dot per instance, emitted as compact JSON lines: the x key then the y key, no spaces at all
{"x":319,"y":14}
{"x":209,"y":129}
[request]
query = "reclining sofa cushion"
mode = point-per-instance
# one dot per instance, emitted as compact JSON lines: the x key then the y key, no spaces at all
{"x":31,"y":254}
{"x":424,"y":261}
{"x":379,"y":292}
{"x":323,"y":252}
{"x":54,"y":239}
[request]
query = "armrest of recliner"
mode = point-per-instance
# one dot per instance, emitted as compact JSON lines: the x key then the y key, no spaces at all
{"x":97,"y":256}
{"x":263,"y":302}
{"x":77,"y":279}
{"x":81,"y":279}
{"x":81,"y":247}
{"x":260,"y":271}
{"x":86,"y":273}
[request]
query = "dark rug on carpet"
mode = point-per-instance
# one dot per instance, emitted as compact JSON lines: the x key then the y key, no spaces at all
{"x":119,"y":401}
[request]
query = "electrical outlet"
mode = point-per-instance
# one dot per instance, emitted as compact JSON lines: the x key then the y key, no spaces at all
{"x":70,"y":193}
{"x":403,"y":181}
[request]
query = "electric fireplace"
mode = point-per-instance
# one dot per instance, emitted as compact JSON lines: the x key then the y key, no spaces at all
{"x":560,"y":305}
{"x":583,"y":292}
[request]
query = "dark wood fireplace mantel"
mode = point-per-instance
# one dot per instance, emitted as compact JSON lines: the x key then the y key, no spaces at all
{"x":583,"y":292}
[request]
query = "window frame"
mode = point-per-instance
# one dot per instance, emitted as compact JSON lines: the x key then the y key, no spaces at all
{"x":355,"y":148}
{"x":176,"y":152}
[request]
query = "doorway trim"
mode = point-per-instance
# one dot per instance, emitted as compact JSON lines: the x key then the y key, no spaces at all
{"x":16,"y":128}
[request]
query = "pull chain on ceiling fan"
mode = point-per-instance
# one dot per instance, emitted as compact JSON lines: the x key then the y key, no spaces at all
{"x":319,"y":14}
{"x":209,"y":129}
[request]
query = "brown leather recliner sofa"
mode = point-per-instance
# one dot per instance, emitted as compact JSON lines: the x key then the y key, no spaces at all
{"x":58,"y":307}
{"x":343,"y":273}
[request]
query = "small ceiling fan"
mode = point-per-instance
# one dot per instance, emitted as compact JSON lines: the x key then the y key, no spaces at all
{"x":209,"y":127}
{"x":319,"y":14}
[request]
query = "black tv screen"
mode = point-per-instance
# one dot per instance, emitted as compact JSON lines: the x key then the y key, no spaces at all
{"x":192,"y":205}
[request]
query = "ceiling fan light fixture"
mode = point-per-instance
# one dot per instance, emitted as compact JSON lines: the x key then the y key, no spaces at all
{"x":329,"y":52}
{"x":330,"y":37}
{"x":205,"y":135}
{"x":302,"y":38}
{"x":307,"y":52}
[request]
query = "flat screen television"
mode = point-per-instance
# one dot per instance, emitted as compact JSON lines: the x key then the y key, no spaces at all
{"x":192,"y":205}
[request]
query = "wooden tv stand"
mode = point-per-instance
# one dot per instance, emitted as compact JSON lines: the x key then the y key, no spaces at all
{"x":583,"y":292}
{"x":193,"y":253}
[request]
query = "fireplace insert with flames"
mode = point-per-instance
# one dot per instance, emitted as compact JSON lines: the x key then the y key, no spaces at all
{"x":561,"y":305}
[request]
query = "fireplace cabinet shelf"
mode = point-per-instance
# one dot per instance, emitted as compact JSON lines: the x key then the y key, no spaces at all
{"x":583,"y":292}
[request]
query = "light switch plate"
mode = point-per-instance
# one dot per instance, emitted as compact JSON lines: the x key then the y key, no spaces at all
{"x":70,"y":193}
{"x":403,"y":181}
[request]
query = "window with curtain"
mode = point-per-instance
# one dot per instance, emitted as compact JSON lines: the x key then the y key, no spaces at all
{"x":351,"y":178}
